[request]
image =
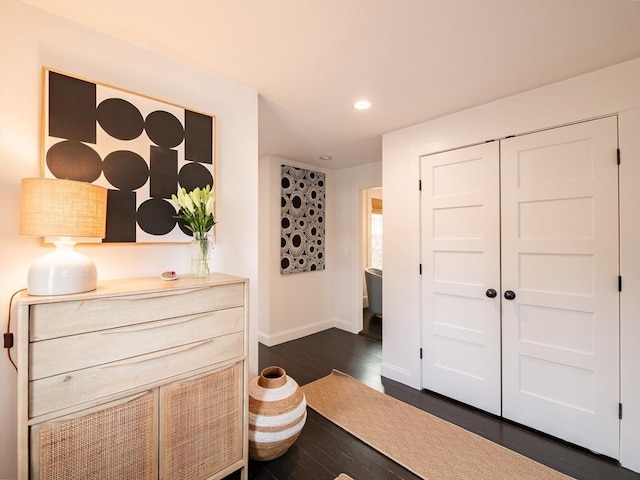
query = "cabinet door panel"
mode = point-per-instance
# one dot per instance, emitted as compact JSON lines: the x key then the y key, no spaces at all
{"x":202,"y":424}
{"x":118,"y":442}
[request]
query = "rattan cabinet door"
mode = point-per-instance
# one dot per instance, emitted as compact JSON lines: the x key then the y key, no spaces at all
{"x":201,"y":424}
{"x":117,"y":443}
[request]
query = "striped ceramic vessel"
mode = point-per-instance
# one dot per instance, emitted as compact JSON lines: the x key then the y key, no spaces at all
{"x":277,"y":413}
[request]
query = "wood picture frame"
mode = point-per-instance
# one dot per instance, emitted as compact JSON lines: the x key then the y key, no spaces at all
{"x":141,"y":149}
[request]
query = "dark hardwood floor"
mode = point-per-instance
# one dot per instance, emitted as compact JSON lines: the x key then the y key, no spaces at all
{"x":323,"y":450}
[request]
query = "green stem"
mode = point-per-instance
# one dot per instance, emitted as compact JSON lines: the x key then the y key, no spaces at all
{"x":204,"y":248}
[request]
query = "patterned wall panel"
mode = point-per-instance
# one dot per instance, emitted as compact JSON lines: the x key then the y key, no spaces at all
{"x":302,"y":205}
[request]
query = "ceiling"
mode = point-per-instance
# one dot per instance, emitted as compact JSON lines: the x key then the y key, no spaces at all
{"x":310,"y":60}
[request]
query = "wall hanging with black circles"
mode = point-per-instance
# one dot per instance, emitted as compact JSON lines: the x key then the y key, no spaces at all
{"x":139,"y":148}
{"x":302,"y":220}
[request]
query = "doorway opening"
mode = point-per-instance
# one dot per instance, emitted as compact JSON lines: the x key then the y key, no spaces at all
{"x":371,"y":259}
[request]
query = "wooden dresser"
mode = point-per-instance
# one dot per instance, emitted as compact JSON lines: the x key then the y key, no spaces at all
{"x":139,"y":379}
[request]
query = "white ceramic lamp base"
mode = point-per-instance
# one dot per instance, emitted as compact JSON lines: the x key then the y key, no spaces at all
{"x":62,"y":272}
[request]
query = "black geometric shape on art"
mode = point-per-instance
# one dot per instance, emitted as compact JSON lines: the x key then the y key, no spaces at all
{"x":73,"y":160}
{"x":125,"y":170}
{"x":120,"y":119}
{"x":296,"y":201}
{"x":155,"y":216}
{"x":284,"y":263}
{"x":283,"y":202}
{"x":284,"y":223}
{"x":296,"y":240}
{"x":283,"y":242}
{"x":194,"y":175}
{"x":163,"y":172}
{"x":164,"y":129}
{"x":321,"y":183}
{"x":121,"y":217}
{"x":198,"y":137}
{"x":285,"y":183}
{"x":72,"y":108}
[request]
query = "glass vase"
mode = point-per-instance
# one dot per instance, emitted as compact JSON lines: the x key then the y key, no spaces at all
{"x":201,"y":246}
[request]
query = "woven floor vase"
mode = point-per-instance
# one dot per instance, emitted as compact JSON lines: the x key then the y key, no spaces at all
{"x":277,"y":413}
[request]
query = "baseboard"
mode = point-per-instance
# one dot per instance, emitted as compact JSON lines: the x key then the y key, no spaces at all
{"x":294,"y":333}
{"x":346,"y":326}
{"x":399,"y":375}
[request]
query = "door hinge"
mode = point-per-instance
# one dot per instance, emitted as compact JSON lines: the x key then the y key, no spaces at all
{"x":421,"y":354}
{"x":618,"y":155}
{"x":620,"y":411}
{"x":420,"y":185}
{"x":420,"y":268}
{"x":619,"y":283}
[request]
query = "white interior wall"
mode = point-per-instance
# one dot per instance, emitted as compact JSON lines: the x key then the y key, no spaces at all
{"x":611,"y":90}
{"x":292,"y":306}
{"x":348,"y":280}
{"x":31,"y":38}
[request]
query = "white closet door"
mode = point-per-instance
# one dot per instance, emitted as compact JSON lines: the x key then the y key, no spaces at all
{"x":460,"y":262}
{"x":560,"y":259}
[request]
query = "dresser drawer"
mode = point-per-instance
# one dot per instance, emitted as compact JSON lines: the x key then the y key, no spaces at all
{"x":66,"y":354}
{"x":52,"y":320}
{"x":75,"y":388}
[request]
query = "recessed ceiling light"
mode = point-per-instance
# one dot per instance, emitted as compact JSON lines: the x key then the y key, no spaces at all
{"x":362,"y":105}
{"x":325,"y":157}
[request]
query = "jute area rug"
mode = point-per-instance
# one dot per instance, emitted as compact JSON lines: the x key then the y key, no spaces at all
{"x":428,"y":446}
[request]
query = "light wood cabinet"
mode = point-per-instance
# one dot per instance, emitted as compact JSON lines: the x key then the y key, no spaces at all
{"x":141,"y":378}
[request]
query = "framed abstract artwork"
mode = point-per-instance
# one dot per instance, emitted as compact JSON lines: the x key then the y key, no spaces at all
{"x":302,"y":220}
{"x":141,"y":149}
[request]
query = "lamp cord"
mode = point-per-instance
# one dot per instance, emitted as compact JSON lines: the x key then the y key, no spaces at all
{"x":9,"y":334}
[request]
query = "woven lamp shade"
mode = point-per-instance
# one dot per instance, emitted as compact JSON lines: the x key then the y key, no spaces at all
{"x":66,"y":210}
{"x":62,"y":208}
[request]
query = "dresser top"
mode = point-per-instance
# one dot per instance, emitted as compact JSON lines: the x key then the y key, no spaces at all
{"x":130,"y":286}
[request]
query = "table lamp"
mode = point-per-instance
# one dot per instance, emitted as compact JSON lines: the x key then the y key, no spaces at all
{"x":69,"y":211}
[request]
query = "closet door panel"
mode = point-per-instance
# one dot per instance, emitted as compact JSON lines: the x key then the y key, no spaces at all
{"x":560,"y":258}
{"x":460,"y":261}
